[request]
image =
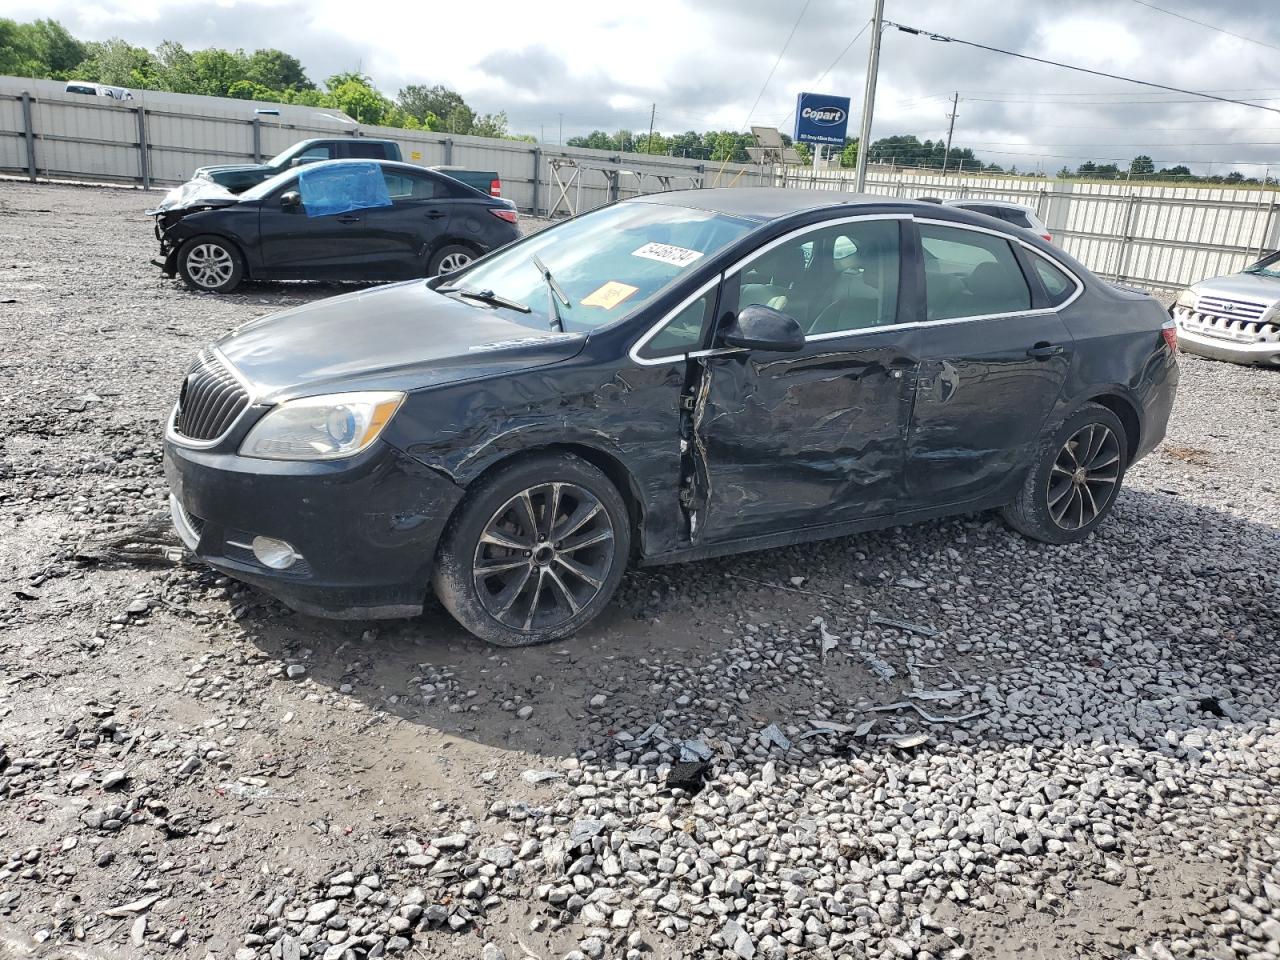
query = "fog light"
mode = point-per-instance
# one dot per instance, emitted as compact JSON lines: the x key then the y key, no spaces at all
{"x":273,"y":553}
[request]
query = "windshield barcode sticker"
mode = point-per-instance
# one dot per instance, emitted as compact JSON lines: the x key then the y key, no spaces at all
{"x":667,"y":253}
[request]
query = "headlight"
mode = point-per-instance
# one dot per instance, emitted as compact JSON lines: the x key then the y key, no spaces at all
{"x":1188,"y":298}
{"x":321,"y":428}
{"x":1272,"y":315}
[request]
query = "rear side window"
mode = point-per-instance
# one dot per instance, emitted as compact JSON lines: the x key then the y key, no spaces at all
{"x":405,"y":187}
{"x":1016,"y":217}
{"x":1056,"y":283}
{"x":367,"y":151}
{"x":970,"y":274}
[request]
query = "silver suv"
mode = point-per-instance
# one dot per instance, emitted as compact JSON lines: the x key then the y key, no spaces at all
{"x":1234,"y":318}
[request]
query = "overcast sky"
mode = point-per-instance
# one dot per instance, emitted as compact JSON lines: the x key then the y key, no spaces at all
{"x":601,"y":65}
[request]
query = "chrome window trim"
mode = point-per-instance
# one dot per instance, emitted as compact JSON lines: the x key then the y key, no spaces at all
{"x":737,"y":267}
{"x":176,"y":438}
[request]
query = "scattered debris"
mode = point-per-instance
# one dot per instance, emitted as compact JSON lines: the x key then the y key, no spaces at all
{"x":908,"y":741}
{"x":902,"y":625}
{"x":694,"y":750}
{"x":689,"y":776}
{"x":880,"y":668}
{"x":924,"y":714}
{"x":772,"y":735}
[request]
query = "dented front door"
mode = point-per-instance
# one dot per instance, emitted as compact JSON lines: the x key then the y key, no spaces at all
{"x":796,"y":440}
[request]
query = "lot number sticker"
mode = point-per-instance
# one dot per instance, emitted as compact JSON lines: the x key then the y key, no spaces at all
{"x":609,"y":295}
{"x":667,"y":253}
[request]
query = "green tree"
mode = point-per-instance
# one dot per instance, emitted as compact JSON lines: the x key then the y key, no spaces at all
{"x":490,"y":125}
{"x":277,"y":70}
{"x":849,"y":155}
{"x":55,"y":48}
{"x":418,"y":100}
{"x":17,"y":57}
{"x":213,"y":71}
{"x":354,"y":95}
{"x":119,"y":64}
{"x":1141,"y":166}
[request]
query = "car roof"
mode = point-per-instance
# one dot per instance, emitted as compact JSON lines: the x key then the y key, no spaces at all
{"x":971,"y":201}
{"x":773,"y":203}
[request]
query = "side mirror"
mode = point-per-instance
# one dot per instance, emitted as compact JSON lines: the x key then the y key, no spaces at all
{"x":290,"y":200}
{"x":757,"y":327}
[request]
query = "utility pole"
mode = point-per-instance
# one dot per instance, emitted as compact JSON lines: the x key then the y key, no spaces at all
{"x":955,"y":102}
{"x":648,"y":144}
{"x":868,"y":100}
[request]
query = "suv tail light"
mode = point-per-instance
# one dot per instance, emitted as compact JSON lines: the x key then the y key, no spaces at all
{"x":505,"y":213}
{"x":1048,"y":237}
{"x":1170,"y":333}
{"x":495,"y":188}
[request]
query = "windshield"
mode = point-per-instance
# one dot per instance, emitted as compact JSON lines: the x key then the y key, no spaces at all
{"x":609,"y":263}
{"x":1266,"y":267}
{"x":271,"y":183}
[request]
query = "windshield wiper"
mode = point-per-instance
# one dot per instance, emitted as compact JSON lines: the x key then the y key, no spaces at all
{"x":554,"y":292}
{"x":487,"y":296}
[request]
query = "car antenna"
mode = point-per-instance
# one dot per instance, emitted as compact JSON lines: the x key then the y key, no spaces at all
{"x":554,"y":292}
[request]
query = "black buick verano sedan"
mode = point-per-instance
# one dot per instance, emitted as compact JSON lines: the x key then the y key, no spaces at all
{"x":668,"y":378}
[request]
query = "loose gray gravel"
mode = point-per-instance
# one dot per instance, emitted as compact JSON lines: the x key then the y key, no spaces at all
{"x":1045,"y":752}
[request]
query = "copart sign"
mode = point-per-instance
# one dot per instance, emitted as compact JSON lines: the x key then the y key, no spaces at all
{"x":821,"y":118}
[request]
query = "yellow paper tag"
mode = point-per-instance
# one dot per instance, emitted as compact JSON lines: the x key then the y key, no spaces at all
{"x":609,"y":295}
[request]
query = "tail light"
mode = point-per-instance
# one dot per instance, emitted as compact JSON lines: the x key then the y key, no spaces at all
{"x":505,"y":213}
{"x":1048,"y":237}
{"x":495,"y":188}
{"x":1170,"y":333}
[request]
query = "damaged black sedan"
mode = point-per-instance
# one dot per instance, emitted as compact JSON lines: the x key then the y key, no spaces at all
{"x":363,"y":220}
{"x":668,"y":378}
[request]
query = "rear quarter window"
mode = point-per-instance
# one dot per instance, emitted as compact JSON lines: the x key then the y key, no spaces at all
{"x":1057,"y":284}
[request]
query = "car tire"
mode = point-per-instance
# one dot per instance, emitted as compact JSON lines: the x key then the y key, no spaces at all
{"x":1067,"y":494}
{"x":211,"y":264}
{"x":451,"y":257}
{"x":514,"y":580}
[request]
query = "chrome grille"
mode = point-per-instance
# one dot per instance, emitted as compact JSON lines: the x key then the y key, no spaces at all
{"x":1227,"y":328}
{"x":1237,"y":309}
{"x":211,"y":400}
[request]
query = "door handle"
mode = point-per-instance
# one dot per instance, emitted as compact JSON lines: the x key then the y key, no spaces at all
{"x":1043,"y":351}
{"x":348,"y":218}
{"x":434,"y":214}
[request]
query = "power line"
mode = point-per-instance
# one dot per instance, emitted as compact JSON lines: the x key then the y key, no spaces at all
{"x":823,"y":76}
{"x":1068,"y":66}
{"x":1210,"y":26}
{"x":781,"y":52}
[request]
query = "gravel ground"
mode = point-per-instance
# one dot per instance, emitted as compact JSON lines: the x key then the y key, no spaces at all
{"x":1054,"y":752}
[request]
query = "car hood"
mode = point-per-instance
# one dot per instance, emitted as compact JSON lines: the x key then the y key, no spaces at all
{"x":206,"y":172}
{"x":194,"y":195}
{"x":1249,"y":286}
{"x":402,"y":337}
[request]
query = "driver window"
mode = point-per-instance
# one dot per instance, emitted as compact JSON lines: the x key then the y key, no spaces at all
{"x":837,"y":278}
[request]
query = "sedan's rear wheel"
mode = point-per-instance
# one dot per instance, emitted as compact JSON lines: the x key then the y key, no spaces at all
{"x":535,"y":552}
{"x":1075,"y":479}
{"x":210,"y":263}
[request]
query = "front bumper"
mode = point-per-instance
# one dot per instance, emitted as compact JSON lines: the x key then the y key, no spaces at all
{"x":366,"y":528}
{"x":1216,"y":348}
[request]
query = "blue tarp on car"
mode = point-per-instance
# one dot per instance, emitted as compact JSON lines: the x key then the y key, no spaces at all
{"x":340,"y":188}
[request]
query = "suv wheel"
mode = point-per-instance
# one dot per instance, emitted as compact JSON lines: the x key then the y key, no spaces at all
{"x":1075,"y":479}
{"x":535,"y":552}
{"x":210,"y":263}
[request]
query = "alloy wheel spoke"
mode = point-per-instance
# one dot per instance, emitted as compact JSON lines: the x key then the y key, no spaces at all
{"x":537,"y":596}
{"x":500,"y":538}
{"x":589,"y":539}
{"x":530,"y":515}
{"x":494,"y":565}
{"x":579,"y":571}
{"x":1087,"y":494}
{"x":585,"y":512}
{"x":565,"y":592}
{"x":507,"y":596}
{"x":553,"y":511}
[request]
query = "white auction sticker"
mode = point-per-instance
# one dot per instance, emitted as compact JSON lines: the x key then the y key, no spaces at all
{"x":667,"y":253}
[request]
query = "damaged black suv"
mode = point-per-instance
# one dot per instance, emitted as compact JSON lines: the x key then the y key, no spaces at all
{"x":671,"y":377}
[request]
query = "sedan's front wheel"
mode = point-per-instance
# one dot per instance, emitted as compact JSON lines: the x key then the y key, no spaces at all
{"x":535,"y":552}
{"x":210,"y":263}
{"x":1075,"y":479}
